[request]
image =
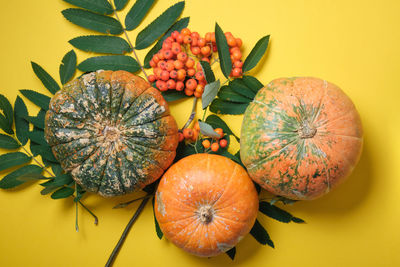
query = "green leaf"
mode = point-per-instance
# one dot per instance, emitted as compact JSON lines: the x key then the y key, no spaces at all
{"x":158,"y":229}
{"x":11,"y":179}
{"x":278,"y":214}
{"x":79,"y":192}
{"x":58,"y":181}
{"x":239,"y":87}
{"x":159,"y":26}
{"x":231,"y":253}
{"x":57,"y":169}
{"x":284,"y":200}
{"x":137,"y":13}
{"x":185,"y":150}
{"x":46,"y":79}
{"x":13,"y":159}
{"x":7,"y":109}
{"x":120,"y":4}
{"x":217,"y":122}
{"x":93,"y":21}
{"x":37,"y":121}
{"x":101,"y":44}
{"x":219,"y":106}
{"x":67,"y":67}
{"x":210,"y":92}
{"x":226,"y":93}
{"x":208,"y":73}
{"x":4,"y":125}
{"x":261,"y":235}
{"x":252,"y":82}
{"x":21,"y":125}
{"x":37,"y":136}
{"x":8,"y":142}
{"x":98,"y":6}
{"x":38,"y":99}
{"x":109,"y":63}
{"x":256,"y":54}
{"x":32,"y":177}
{"x":207,"y":130}
{"x":63,"y":192}
{"x":173,"y":95}
{"x":44,"y":151}
{"x":223,"y":51}
{"x":178,"y":26}
{"x":238,"y":159}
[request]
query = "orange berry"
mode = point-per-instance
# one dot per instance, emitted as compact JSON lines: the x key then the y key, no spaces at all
{"x":195,"y":50}
{"x":206,"y":143}
{"x":195,"y":134}
{"x":160,"y":54}
{"x":188,"y":133}
{"x":228,"y":34}
{"x":185,"y":31}
{"x":206,"y":59}
{"x":198,"y":66}
{"x":166,"y":45}
{"x":195,"y":35}
{"x":171,"y":84}
{"x":152,"y":78}
{"x":214,"y":147}
{"x":164,"y":75}
{"x":208,"y":37}
{"x":152,"y":63}
{"x":168,"y":54}
{"x":178,"y":64}
{"x":176,"y":48}
{"x":196,"y":94}
{"x":179,"y":86}
{"x":161,"y":85}
{"x":191,"y":84}
{"x":199,"y":75}
{"x":231,"y":41}
{"x":191,"y":72}
{"x":182,"y":56}
{"x":213,"y":37}
{"x":181,"y":74}
{"x":187,"y":39}
{"x":169,"y":66}
{"x":236,"y":72}
{"x":220,"y":132}
{"x":169,"y":40}
{"x":199,"y":89}
{"x":189,"y":63}
{"x":180,"y":136}
{"x":203,"y":82}
{"x":201,"y":42}
{"x":179,"y":39}
{"x":194,"y":42}
{"x":196,"y":126}
{"x":157,"y":72}
{"x":205,"y":50}
{"x":188,"y":92}
{"x":233,"y":49}
{"x":173,"y":74}
{"x":156,"y":58}
{"x":238,"y":63}
{"x":174,"y":34}
{"x":223,"y":143}
{"x":237,"y":55}
{"x":239,"y":42}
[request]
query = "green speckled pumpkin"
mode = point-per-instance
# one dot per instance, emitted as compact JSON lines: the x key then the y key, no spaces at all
{"x":112,"y":131}
{"x":300,"y":137}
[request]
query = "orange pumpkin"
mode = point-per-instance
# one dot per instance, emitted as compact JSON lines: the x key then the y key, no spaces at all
{"x":205,"y":204}
{"x":300,"y":137}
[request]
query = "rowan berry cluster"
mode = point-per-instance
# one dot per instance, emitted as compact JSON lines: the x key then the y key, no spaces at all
{"x":176,"y":66}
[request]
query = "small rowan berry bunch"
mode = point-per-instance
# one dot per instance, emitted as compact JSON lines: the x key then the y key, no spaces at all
{"x":176,"y":66}
{"x":190,"y":134}
{"x":215,"y":144}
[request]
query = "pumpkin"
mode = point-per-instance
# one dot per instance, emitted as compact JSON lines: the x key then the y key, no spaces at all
{"x":300,"y":137}
{"x":205,"y":204}
{"x":112,"y":131}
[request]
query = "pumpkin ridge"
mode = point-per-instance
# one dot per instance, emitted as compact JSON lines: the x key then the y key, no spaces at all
{"x":226,"y":187}
{"x":67,"y":154}
{"x":143,"y":106}
{"x":157,"y":147}
{"x":126,"y":109}
{"x":69,"y":90}
{"x":196,"y":228}
{"x":151,"y":160}
{"x":138,"y":98}
{"x":139,"y":177}
{"x":71,"y":160}
{"x":184,"y":228}
{"x":84,"y":83}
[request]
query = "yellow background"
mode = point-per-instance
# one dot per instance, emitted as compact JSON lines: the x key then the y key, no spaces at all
{"x":354,"y":44}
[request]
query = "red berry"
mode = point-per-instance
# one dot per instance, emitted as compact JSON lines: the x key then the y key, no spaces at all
{"x":160,"y":54}
{"x":208,"y":37}
{"x":169,"y":65}
{"x":152,"y":78}
{"x":182,"y":56}
{"x":206,"y":143}
{"x":197,"y":94}
{"x":188,"y":133}
{"x":169,"y":39}
{"x":188,"y":92}
{"x":152,"y":64}
{"x":167,"y":45}
{"x":179,"y":86}
{"x":231,"y":41}
{"x":194,"y":41}
{"x":201,"y":42}
{"x":179,"y":39}
{"x":168,"y":54}
{"x":238,"y":64}
{"x":237,"y":55}
{"x":214,"y":147}
{"x":199,"y":89}
{"x":236,"y":72}
{"x":173,"y":74}
{"x":171,"y":84}
{"x":220,"y":132}
{"x":180,"y":137}
{"x":191,"y":84}
{"x":178,"y":64}
{"x":195,"y":35}
{"x":191,"y":72}
{"x":239,"y":42}
{"x":187,"y":39}
{"x":189,"y":63}
{"x":206,"y":59}
{"x":164,"y":75}
{"x":176,"y":48}
{"x":156,"y":58}
{"x":161,"y":85}
{"x":206,"y":50}
{"x":223,"y":143}
{"x":185,"y":31}
{"x":174,"y":34}
{"x":195,"y":50}
{"x":162,"y":64}
{"x":199,"y":75}
{"x":181,"y":74}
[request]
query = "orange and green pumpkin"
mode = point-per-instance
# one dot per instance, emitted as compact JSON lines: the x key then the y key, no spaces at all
{"x":112,"y":131}
{"x":300,"y":137}
{"x":205,"y":204}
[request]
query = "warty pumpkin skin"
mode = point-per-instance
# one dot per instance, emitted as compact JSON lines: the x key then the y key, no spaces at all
{"x":300,"y":137}
{"x":205,"y":204}
{"x":112,"y":131}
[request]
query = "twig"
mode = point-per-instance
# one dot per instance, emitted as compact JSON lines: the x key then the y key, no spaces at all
{"x":129,"y":41}
{"x":96,"y":220}
{"x":38,"y":162}
{"x":123,"y":205}
{"x":192,"y":114}
{"x":125,"y":233}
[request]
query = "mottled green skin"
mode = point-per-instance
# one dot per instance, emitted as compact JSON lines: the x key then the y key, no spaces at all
{"x":112,"y":131}
{"x":300,"y":137}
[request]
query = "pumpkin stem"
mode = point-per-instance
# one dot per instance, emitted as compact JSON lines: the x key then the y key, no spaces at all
{"x":206,"y":214}
{"x":306,"y":130}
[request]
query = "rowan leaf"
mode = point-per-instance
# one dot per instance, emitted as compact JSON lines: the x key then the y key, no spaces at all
{"x":217,"y":122}
{"x":37,"y":136}
{"x":223,"y":51}
{"x":120,"y":4}
{"x":93,"y":21}
{"x":44,"y":151}
{"x":219,"y":106}
{"x":63,"y":192}
{"x":4,"y":125}
{"x":226,"y":93}
{"x":173,"y":95}
{"x":109,"y":63}
{"x":231,"y":253}
{"x":253,"y":83}
{"x":21,"y":125}
{"x":137,"y":13}
{"x":101,"y":44}
{"x":159,"y":26}
{"x":68,"y":67}
{"x":239,"y":87}
{"x":8,"y":142}
{"x":13,"y":159}
{"x":278,"y":214}
{"x":210,"y":92}
{"x":48,"y":81}
{"x":207,"y":130}
{"x":7,"y":109}
{"x":261,"y":235}
{"x":11,"y":180}
{"x":158,"y":229}
{"x":36,"y":98}
{"x":37,"y":121}
{"x":256,"y":54}
{"x":98,"y":6}
{"x":208,"y":73}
